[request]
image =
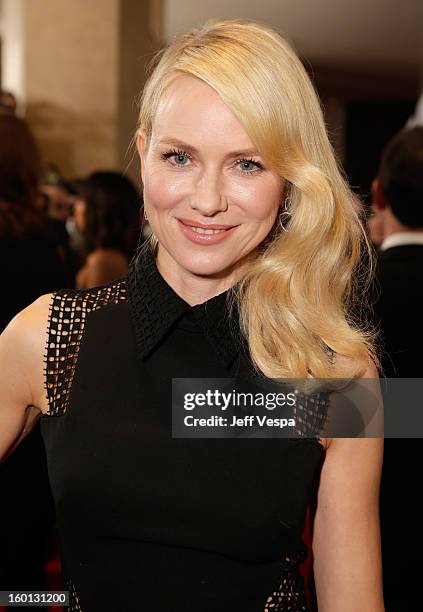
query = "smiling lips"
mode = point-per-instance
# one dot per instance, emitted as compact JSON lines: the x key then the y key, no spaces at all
{"x":200,"y":233}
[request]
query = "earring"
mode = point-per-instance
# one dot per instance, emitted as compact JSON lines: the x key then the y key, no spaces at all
{"x":284,"y":213}
{"x":145,"y":215}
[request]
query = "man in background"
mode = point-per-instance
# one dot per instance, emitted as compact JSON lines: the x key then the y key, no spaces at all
{"x":398,"y":202}
{"x":398,"y":198}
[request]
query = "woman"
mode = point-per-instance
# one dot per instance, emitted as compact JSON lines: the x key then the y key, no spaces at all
{"x":255,"y":247}
{"x":107,"y":214}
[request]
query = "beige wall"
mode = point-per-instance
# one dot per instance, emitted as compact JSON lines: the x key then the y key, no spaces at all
{"x":369,"y":36}
{"x":84,"y":66}
{"x":71,"y":80}
{"x":140,"y":32}
{"x":12,"y":48}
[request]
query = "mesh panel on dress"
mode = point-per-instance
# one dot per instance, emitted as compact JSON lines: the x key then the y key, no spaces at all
{"x":311,"y":412}
{"x":68,"y":312}
{"x":289,"y":596}
{"x":74,"y":605}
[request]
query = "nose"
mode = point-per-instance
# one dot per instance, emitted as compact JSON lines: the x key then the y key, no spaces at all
{"x":208,"y":198}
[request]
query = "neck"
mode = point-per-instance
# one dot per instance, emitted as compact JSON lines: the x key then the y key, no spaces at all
{"x":391,"y":225}
{"x":194,"y":288}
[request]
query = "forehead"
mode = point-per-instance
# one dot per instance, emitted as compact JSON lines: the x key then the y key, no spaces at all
{"x":192,"y":109}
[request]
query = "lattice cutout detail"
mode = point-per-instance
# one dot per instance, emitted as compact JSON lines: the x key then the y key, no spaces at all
{"x":68,"y":313}
{"x":74,"y":605}
{"x":289,"y":595}
{"x":311,"y":412}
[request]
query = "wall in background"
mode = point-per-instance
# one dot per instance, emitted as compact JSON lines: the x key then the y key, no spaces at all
{"x":77,"y":67}
{"x":12,"y":36}
{"x":71,"y":65}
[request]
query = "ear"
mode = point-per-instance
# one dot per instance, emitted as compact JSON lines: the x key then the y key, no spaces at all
{"x":141,"y":147}
{"x":285,"y":188}
{"x":379,"y":200}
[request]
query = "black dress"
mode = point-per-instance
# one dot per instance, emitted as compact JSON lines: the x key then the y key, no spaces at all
{"x":149,"y":522}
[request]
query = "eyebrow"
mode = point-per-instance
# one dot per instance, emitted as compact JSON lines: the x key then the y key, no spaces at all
{"x":180,"y":143}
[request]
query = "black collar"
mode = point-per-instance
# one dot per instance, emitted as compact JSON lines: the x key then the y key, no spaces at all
{"x":155,"y":307}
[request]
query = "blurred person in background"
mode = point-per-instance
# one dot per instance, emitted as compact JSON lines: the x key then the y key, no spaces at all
{"x":30,"y":262}
{"x":398,"y":200}
{"x":376,"y":217}
{"x":375,"y":227}
{"x":107,"y":213}
{"x":57,"y":200}
{"x":30,"y":266}
{"x":7,"y":102}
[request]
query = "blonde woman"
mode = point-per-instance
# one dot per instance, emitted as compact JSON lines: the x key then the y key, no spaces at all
{"x":251,"y":267}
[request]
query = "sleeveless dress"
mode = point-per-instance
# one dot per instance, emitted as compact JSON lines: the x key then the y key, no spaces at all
{"x":148,"y":522}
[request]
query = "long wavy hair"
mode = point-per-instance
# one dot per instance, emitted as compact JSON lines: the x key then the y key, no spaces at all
{"x":304,"y":300}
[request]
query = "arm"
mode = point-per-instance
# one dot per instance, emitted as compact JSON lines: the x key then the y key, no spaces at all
{"x":22,"y":394}
{"x":346,"y":537}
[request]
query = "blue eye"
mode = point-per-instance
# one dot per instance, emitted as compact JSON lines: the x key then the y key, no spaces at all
{"x":178,"y":158}
{"x":249,"y":166}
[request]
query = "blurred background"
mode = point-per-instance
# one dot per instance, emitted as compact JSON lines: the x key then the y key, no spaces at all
{"x":70,"y":201}
{"x":77,"y":67}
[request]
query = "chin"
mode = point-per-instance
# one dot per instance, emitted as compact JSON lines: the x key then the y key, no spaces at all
{"x":208,"y":264}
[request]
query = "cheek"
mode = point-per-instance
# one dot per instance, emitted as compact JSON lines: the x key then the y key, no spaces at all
{"x":261,"y":200}
{"x":163,"y":190}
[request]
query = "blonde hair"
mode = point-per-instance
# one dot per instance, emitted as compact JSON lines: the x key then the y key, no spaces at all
{"x":301,"y":300}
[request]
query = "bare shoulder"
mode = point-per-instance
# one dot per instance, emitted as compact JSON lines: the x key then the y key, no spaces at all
{"x":23,"y":345}
{"x":355,"y":368}
{"x":36,"y":311}
{"x":360,"y":370}
{"x":22,"y":395}
{"x":360,"y":457}
{"x":369,"y":370}
{"x":31,"y":322}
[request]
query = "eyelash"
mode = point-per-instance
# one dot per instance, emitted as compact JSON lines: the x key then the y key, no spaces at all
{"x":259,"y":167}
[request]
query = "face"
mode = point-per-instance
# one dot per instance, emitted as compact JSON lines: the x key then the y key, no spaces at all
{"x":209,"y":196}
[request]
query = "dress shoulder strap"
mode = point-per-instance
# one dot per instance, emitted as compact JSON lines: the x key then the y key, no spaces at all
{"x":68,"y":312}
